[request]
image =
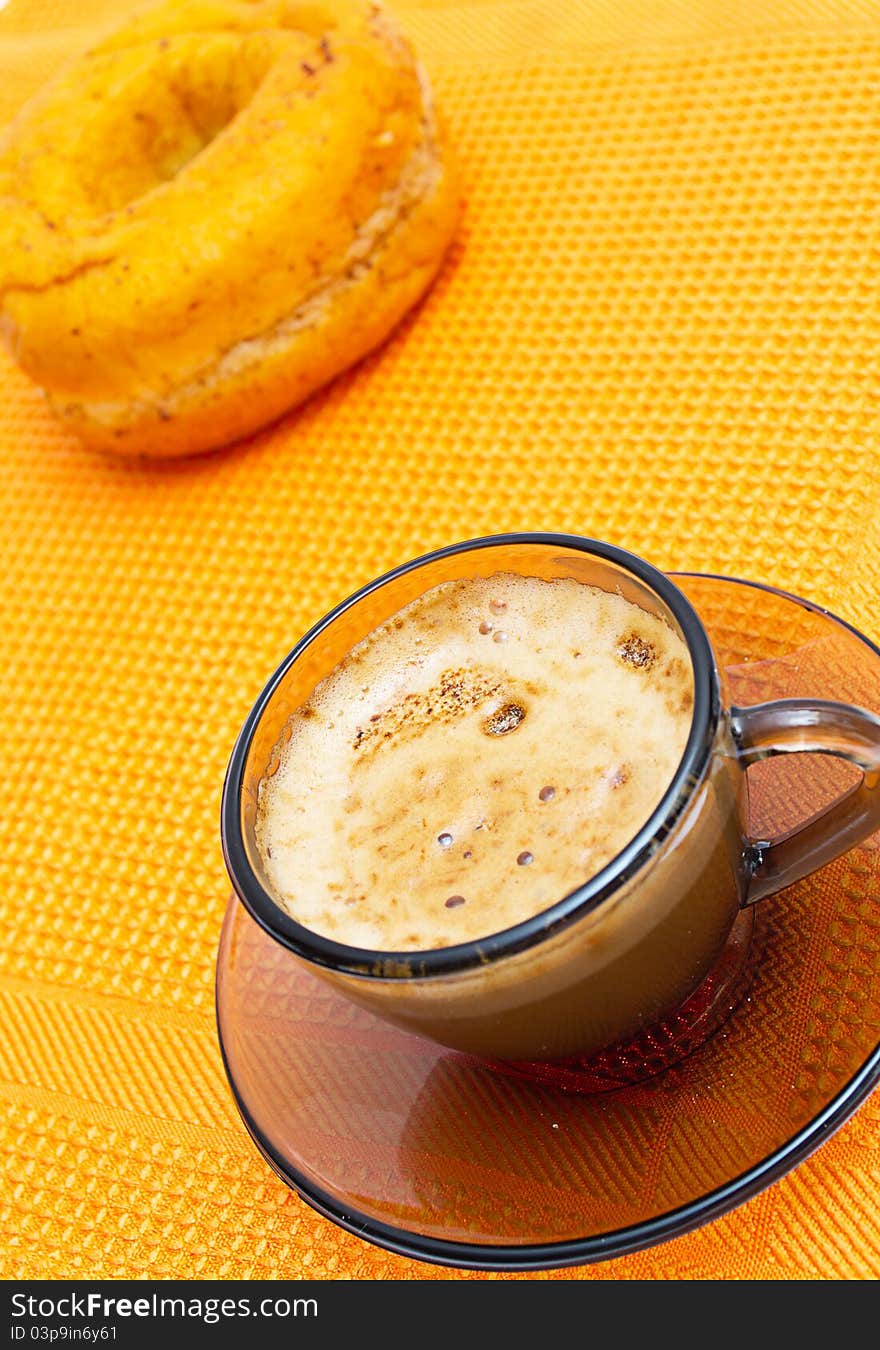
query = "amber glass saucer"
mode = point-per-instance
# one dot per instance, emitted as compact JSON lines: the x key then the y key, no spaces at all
{"x":441,"y":1157}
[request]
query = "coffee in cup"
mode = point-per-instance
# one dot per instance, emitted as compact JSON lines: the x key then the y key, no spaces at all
{"x":481,"y":753}
{"x":498,"y":797}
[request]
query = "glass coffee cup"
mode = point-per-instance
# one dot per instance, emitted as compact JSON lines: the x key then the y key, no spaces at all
{"x":628,"y":947}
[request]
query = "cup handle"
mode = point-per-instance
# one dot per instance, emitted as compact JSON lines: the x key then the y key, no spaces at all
{"x":820,"y":727}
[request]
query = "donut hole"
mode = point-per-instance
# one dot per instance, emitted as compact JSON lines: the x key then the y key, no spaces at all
{"x":167,"y":104}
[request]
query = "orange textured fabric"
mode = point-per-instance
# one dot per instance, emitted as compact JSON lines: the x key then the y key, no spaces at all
{"x":657,"y":326}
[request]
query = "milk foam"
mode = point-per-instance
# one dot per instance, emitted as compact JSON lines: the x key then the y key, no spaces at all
{"x":478,"y":756}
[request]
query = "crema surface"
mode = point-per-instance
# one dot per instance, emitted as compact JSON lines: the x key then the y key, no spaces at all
{"x":478,"y":756}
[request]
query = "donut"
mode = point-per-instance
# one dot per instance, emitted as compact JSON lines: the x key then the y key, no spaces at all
{"x":214,"y":211}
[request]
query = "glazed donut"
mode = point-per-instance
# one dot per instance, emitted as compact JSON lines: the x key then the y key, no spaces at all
{"x":213,"y":212}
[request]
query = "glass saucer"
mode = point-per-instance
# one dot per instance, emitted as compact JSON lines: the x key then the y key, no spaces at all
{"x":438,"y":1156}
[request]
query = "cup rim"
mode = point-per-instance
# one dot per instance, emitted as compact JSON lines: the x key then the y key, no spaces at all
{"x":368,"y":964}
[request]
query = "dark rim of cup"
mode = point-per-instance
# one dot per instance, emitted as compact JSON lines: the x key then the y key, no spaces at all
{"x":363,"y":962}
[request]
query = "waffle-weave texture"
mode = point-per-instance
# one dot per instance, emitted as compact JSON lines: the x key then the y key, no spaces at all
{"x":658,"y":326}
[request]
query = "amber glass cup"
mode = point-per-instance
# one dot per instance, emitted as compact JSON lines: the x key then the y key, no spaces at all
{"x":631,"y":944}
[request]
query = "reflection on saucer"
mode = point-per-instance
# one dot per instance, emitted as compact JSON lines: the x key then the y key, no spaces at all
{"x":493,"y":1158}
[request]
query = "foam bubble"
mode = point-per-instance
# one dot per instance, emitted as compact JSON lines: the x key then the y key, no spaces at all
{"x":635,"y":650}
{"x":504,"y":719}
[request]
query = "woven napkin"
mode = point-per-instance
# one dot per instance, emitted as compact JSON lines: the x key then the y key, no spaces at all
{"x":658,"y":326}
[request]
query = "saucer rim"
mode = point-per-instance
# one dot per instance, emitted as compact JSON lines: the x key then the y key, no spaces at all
{"x":571,"y":1252}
